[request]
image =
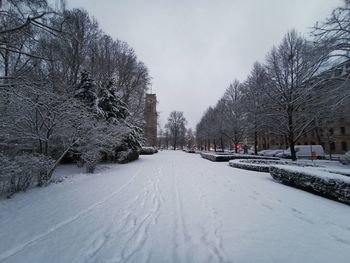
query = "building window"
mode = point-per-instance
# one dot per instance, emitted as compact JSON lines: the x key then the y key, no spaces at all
{"x":342,"y":130}
{"x":344,"y":146}
{"x":332,"y":146}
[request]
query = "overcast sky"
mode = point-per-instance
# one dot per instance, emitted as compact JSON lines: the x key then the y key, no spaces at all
{"x":195,"y":48}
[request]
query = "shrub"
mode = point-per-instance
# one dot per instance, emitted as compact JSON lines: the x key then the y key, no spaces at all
{"x":261,"y":165}
{"x":324,"y":183}
{"x":147,"y":150}
{"x":18,"y":173}
{"x":127,"y":156}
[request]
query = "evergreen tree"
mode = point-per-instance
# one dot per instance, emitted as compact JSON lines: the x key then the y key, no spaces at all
{"x":86,"y":90}
{"x":110,"y":105}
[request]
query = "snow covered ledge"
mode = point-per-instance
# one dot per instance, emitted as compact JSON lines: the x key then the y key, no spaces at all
{"x":324,"y":183}
{"x":225,"y":157}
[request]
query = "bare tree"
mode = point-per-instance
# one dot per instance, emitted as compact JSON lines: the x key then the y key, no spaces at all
{"x":290,"y":66}
{"x":176,"y":125}
{"x":253,"y":102}
{"x":190,"y":138}
{"x":332,"y":38}
{"x":234,"y":115}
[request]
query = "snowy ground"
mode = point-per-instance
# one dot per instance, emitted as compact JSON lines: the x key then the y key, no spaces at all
{"x":172,"y":207}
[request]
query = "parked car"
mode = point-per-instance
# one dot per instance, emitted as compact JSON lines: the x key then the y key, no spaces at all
{"x":262,"y":152}
{"x":305,"y":152}
{"x":345,"y":159}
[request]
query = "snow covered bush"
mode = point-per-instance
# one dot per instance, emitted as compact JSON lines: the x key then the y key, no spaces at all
{"x":18,"y":173}
{"x":127,"y":156}
{"x":324,"y":183}
{"x":147,"y":150}
{"x":345,"y":159}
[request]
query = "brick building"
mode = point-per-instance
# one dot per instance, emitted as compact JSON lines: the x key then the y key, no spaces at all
{"x":150,"y":114}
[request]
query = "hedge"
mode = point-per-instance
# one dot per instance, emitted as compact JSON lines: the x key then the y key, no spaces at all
{"x":261,"y":165}
{"x":323,"y":183}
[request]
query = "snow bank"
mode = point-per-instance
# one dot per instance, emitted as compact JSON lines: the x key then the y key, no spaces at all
{"x":227,"y":157}
{"x":324,"y":183}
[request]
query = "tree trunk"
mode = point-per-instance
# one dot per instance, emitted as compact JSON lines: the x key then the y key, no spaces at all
{"x":222,"y":143}
{"x":40,"y":147}
{"x":256,"y":143}
{"x":291,"y":137}
{"x":46,"y":148}
{"x":47,"y":177}
{"x":292,"y":150}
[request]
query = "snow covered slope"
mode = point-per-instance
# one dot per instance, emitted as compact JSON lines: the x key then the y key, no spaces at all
{"x":172,"y":207}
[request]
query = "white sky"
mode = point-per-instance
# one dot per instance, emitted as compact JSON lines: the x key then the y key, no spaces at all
{"x":195,"y":48}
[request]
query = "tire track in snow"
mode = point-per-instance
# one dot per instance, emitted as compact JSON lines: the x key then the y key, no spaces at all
{"x":19,"y":248}
{"x":109,"y":233}
{"x":213,"y":241}
{"x":134,"y":230}
{"x":181,"y":238}
{"x":138,"y":237}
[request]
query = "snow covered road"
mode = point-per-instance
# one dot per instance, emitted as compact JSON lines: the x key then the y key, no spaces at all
{"x":173,"y":207}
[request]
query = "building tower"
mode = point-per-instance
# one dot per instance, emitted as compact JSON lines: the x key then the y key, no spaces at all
{"x":150,"y":114}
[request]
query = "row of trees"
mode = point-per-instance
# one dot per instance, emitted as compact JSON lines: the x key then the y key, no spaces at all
{"x":67,"y":89}
{"x":288,"y":94}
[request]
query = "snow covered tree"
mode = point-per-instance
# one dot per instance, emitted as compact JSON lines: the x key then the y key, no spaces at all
{"x":86,"y":91}
{"x":57,"y":97}
{"x":110,"y":104}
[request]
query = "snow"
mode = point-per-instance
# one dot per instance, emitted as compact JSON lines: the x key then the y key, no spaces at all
{"x":172,"y":207}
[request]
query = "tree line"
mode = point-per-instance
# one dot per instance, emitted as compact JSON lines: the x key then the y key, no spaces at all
{"x":303,"y":82}
{"x":68,"y":91}
{"x":175,"y":134}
